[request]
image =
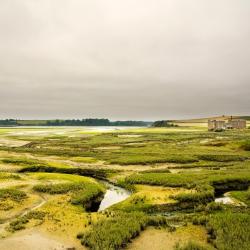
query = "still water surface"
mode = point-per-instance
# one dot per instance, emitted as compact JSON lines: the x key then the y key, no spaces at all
{"x":113,"y":195}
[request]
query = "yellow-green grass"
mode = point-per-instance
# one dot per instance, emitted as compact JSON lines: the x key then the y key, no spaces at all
{"x":219,"y":162}
{"x":229,"y":230}
{"x":58,"y":164}
{"x":165,"y":130}
{"x":64,"y":177}
{"x":64,"y":219}
{"x":243,"y":196}
{"x":83,"y":159}
{"x":157,"y":194}
{"x":61,"y":216}
{"x":5,"y":176}
{"x":145,"y":197}
{"x":10,"y":209}
{"x":157,"y":145}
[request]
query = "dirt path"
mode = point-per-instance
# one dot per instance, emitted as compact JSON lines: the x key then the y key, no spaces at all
{"x":41,"y":203}
{"x":22,"y":213}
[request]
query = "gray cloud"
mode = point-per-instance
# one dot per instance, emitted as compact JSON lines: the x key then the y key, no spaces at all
{"x":134,"y":59}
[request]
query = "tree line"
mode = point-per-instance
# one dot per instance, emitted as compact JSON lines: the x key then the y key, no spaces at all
{"x":73,"y":122}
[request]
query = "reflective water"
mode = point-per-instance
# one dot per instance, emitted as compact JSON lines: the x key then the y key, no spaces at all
{"x":113,"y":195}
{"x":224,"y":200}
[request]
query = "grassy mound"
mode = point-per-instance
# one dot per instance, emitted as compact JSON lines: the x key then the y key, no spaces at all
{"x":12,"y":194}
{"x":117,"y":230}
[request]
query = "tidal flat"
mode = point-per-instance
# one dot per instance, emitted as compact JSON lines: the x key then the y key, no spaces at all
{"x":124,"y":188}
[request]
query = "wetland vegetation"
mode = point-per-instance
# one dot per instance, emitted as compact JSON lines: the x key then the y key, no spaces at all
{"x":51,"y":180}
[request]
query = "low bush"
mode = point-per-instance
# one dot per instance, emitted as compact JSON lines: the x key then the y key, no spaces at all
{"x":147,"y":159}
{"x":230,"y":231}
{"x":60,"y":188}
{"x":160,"y":170}
{"x":245,"y":145}
{"x":227,"y":230}
{"x":20,"y":223}
{"x":115,"y":231}
{"x":221,"y":158}
{"x":190,"y":246}
{"x":213,"y":206}
{"x":243,"y":196}
{"x":96,"y":173}
{"x":13,"y":194}
{"x":226,"y":184}
{"x":207,"y":184}
{"x":162,"y":179}
{"x":204,"y":194}
{"x":19,"y":161}
{"x":4,"y":176}
{"x":82,"y":193}
{"x":200,"y":220}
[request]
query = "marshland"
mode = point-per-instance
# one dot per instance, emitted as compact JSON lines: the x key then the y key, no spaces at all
{"x":127,"y":188}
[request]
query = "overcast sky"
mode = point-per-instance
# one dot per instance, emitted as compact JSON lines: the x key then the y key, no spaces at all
{"x":124,"y":59}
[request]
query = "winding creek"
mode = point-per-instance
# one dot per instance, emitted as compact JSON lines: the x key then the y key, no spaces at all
{"x":113,"y":195}
{"x":116,"y":194}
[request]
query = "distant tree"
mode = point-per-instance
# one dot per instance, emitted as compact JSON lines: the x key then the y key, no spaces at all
{"x":76,"y":122}
{"x":8,"y":122}
{"x":164,"y":124}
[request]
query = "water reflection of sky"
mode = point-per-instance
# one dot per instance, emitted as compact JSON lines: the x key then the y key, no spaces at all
{"x":113,"y":196}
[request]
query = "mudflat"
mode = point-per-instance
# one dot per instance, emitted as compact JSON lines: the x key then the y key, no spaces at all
{"x":33,"y":239}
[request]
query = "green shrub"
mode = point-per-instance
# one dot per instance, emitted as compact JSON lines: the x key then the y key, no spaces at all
{"x":60,"y":188}
{"x":221,"y":158}
{"x":200,"y":220}
{"x":190,"y":246}
{"x":19,"y":161}
{"x":4,"y":176}
{"x":245,"y":145}
{"x":82,"y":193}
{"x":226,"y":184}
{"x":154,"y":159}
{"x":230,"y":231}
{"x":162,"y":179}
{"x":213,"y":206}
{"x":243,"y":196}
{"x":161,"y":170}
{"x":96,"y":173}
{"x":20,"y":223}
{"x":199,"y":197}
{"x":13,"y":194}
{"x":117,"y":229}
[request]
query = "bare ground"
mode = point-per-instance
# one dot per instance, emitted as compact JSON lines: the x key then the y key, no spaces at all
{"x":33,"y":239}
{"x":161,"y":239}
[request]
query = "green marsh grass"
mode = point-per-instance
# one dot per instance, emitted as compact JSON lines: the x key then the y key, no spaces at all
{"x":117,"y":229}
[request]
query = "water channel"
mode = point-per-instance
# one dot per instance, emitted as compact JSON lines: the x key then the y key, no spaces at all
{"x":113,"y":195}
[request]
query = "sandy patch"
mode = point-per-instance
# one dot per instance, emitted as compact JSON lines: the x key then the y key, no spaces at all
{"x":12,"y":143}
{"x":129,"y":136}
{"x":205,"y":141}
{"x":32,"y":239}
{"x":161,"y":239}
{"x":108,"y":148}
{"x":135,"y":144}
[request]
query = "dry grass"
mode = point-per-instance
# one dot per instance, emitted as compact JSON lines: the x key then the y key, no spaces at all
{"x":64,"y":220}
{"x":161,"y":239}
{"x":157,"y":194}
